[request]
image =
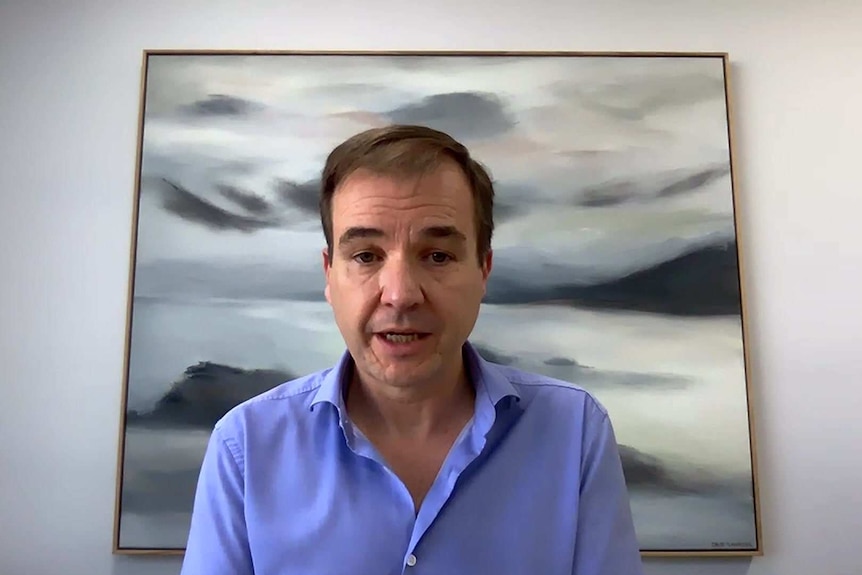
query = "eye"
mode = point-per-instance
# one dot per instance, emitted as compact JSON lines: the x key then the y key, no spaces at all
{"x":440,"y":257}
{"x":364,"y":258}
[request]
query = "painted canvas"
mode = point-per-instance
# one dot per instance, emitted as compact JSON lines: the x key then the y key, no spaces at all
{"x":616,"y":263}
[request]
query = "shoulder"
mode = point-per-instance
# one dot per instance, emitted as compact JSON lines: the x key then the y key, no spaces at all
{"x":552,"y":396}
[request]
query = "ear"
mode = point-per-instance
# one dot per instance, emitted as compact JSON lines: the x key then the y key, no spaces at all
{"x":487,"y":264}
{"x":327,"y":268}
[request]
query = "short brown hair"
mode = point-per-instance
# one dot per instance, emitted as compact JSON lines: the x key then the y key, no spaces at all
{"x":407,"y":150}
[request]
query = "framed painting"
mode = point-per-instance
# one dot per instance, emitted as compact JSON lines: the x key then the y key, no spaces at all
{"x":617,"y":261}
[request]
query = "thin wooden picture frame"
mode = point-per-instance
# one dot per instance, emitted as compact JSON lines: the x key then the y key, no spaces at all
{"x":649,"y":141}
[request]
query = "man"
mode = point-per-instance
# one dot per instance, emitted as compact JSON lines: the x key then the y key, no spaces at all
{"x":413,"y":454}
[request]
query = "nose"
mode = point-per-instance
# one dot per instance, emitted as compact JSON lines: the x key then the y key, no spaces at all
{"x":400,"y":285}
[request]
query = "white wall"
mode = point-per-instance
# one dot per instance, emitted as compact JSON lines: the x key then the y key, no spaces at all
{"x":69,"y":87}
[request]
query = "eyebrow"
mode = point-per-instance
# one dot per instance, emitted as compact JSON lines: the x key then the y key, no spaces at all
{"x":443,"y":232}
{"x":436,"y":232}
{"x":357,"y":233}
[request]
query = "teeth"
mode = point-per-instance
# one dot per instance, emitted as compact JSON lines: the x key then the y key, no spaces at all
{"x":401,"y":338}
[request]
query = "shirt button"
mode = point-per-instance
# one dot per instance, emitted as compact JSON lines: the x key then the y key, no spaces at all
{"x":411,"y":560}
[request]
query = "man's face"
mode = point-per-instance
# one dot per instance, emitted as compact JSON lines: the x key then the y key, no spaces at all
{"x":403,"y":279}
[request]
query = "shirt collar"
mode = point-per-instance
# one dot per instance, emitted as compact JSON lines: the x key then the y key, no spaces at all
{"x":487,"y":378}
{"x":491,"y":385}
{"x":330,"y":390}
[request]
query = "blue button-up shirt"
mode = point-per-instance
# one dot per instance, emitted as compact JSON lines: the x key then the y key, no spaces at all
{"x":533,"y":485}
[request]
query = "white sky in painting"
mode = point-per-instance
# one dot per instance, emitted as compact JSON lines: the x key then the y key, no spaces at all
{"x":571,"y":124}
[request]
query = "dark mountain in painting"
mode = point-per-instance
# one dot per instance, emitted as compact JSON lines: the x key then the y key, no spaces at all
{"x":492,"y":355}
{"x":642,"y":470}
{"x":703,"y":282}
{"x":206,"y":392}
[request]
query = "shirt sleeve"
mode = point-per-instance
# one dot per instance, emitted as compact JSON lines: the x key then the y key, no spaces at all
{"x":218,"y":539}
{"x":606,"y":541}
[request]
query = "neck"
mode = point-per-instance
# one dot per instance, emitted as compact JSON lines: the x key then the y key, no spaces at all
{"x":411,"y":412}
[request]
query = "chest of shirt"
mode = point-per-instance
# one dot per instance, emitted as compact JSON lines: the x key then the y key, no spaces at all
{"x":512,"y":509}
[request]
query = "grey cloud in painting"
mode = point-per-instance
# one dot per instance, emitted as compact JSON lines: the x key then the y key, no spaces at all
{"x":668,"y":185}
{"x":511,"y":200}
{"x":505,"y":211}
{"x":694,"y":181}
{"x":248,"y":211}
{"x":463,"y":115}
{"x":181,"y":202}
{"x":566,"y":188}
{"x":636,"y":96}
{"x":249,"y":201}
{"x":304,"y":196}
{"x":220,"y":105}
{"x":188,"y":163}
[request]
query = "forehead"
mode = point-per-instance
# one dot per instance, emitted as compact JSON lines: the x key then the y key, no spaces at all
{"x":441,"y":195}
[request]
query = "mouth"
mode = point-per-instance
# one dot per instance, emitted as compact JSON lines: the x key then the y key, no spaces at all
{"x":402,"y":336}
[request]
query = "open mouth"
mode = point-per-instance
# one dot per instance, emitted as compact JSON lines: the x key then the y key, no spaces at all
{"x":393,"y":337}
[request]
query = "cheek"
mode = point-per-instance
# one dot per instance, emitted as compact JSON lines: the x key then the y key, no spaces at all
{"x":458,"y":293}
{"x":356,"y":297}
{"x":468,"y":282}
